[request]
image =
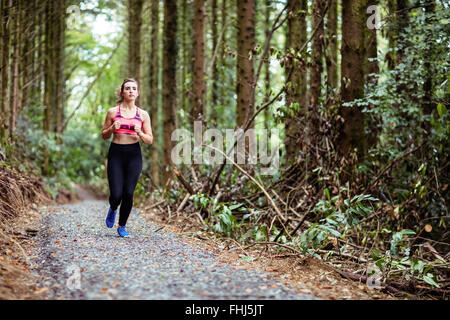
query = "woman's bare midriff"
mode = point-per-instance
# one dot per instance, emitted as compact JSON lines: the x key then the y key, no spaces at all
{"x":120,"y":138}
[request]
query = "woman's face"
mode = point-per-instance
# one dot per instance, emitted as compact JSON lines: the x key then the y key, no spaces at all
{"x":130,"y":91}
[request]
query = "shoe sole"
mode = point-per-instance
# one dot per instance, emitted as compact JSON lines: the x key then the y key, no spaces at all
{"x":127,"y":236}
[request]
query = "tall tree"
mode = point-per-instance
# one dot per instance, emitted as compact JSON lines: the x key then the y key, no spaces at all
{"x":245,"y":62}
{"x":370,"y":75}
{"x":169,"y":94}
{"x":223,"y":53}
{"x":316,"y":72}
{"x":371,"y":48}
{"x":48,"y":67}
{"x":402,"y":22}
{"x":332,"y":45}
{"x":16,"y":38}
{"x":48,"y":79}
{"x":397,"y":22}
{"x":198,"y":81}
{"x":296,"y":92}
{"x":134,"y":38}
{"x":5,"y":53}
{"x":186,"y":60}
{"x":390,"y":34}
{"x":352,"y":133}
{"x":429,"y":104}
{"x":59,"y":54}
{"x":154,"y":87}
{"x":28,"y":17}
{"x":2,"y":31}
{"x":214,"y":73}
{"x":38,"y":70}
{"x":267,"y":15}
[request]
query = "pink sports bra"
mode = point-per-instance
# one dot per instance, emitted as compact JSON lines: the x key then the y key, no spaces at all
{"x":127,"y":125}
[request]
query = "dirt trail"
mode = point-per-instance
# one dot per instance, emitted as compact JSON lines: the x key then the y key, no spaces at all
{"x":77,"y":257}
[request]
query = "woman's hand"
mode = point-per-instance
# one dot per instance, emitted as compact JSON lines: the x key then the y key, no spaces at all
{"x":138,"y":131}
{"x":116,"y":125}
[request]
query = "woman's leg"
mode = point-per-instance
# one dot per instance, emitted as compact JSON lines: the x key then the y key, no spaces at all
{"x":132,"y":171}
{"x":115,"y":177}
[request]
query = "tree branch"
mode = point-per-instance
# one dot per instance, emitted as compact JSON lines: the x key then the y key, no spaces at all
{"x":91,"y":85}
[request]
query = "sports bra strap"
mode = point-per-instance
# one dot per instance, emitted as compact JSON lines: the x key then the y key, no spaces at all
{"x":138,"y":114}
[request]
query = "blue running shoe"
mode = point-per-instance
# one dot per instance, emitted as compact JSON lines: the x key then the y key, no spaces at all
{"x":110,"y":218}
{"x":122,"y":232}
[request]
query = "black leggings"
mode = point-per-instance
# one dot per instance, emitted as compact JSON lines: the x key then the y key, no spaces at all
{"x":124,"y":168}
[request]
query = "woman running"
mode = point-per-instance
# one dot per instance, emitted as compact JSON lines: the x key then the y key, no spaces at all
{"x":129,"y":124}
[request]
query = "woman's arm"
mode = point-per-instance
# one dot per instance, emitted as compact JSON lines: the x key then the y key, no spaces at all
{"x":109,"y":125}
{"x":146,"y":133}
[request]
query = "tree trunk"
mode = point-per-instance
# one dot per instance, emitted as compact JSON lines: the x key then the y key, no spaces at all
{"x":267,"y":15}
{"x":27,"y":18}
{"x":154,"y":90}
{"x":223,"y":55}
{"x":2,"y":27}
{"x":316,"y":76}
{"x":59,"y":59}
{"x":48,"y":79}
{"x":38,"y":75}
{"x":429,"y":106}
{"x":214,"y":75}
{"x":15,"y":67}
{"x":370,"y":72}
{"x":169,"y":83}
{"x":402,"y":24}
{"x":245,"y":62}
{"x":371,"y":49}
{"x":198,"y":83}
{"x":186,"y":65}
{"x":5,"y":97}
{"x":296,"y":93}
{"x":352,"y":134}
{"x":332,"y":47}
{"x":134,"y":38}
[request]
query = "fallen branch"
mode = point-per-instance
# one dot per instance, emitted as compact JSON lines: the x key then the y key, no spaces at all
{"x":275,"y":244}
{"x":200,"y":217}
{"x":155,"y":204}
{"x":277,"y":210}
{"x":392,"y":286}
{"x":345,"y":255}
{"x":183,"y":203}
{"x":183,"y":181}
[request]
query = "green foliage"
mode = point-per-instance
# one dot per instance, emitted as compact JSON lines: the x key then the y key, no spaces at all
{"x":227,"y":224}
{"x":75,"y":156}
{"x":407,"y":109}
{"x":398,"y":260}
{"x":260,"y":232}
{"x":201,"y":201}
{"x":223,"y":222}
{"x":342,"y":216}
{"x":339,"y":218}
{"x":398,"y":242}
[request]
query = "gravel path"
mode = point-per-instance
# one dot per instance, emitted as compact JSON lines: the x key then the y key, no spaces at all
{"x":78,"y":257}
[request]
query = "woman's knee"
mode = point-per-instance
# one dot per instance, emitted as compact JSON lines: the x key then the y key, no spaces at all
{"x":128,"y":195}
{"x":115,"y":198}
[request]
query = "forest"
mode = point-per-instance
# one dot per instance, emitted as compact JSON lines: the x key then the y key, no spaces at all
{"x":304,"y":127}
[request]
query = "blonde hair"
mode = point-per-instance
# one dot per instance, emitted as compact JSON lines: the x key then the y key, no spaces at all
{"x":119,"y":90}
